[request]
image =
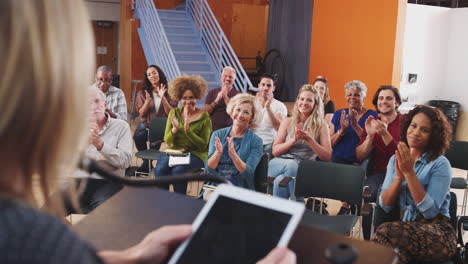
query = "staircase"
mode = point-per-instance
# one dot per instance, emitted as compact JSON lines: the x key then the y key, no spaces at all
{"x":187,"y":40}
{"x":187,"y":46}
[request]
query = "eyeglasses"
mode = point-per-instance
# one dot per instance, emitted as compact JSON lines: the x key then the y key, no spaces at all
{"x":190,"y":98}
{"x":104,"y":80}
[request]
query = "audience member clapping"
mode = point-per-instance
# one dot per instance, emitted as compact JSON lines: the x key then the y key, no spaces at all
{"x":304,"y":136}
{"x":188,"y":129}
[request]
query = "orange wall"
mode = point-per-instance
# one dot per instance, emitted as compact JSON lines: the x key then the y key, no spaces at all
{"x":357,"y":40}
{"x":125,"y":53}
{"x":167,"y":4}
{"x":245,"y":24}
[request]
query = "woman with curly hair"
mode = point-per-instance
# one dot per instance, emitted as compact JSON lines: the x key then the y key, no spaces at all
{"x":152,"y":101}
{"x":187,"y":128}
{"x":304,"y":136}
{"x":418,"y":184}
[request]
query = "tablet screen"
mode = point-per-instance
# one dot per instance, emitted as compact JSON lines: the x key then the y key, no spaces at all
{"x":234,"y":231}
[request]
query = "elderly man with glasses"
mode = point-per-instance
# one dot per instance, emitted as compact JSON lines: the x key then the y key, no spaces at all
{"x":116,"y":103}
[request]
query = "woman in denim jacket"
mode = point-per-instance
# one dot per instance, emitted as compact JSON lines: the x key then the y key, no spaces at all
{"x":418,"y":183}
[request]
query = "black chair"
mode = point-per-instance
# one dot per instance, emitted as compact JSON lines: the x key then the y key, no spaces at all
{"x":331,"y":180}
{"x":457,"y":154}
{"x":261,"y":174}
{"x":155,"y":138}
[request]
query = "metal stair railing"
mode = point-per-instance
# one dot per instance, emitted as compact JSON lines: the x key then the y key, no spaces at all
{"x":216,"y":43}
{"x":159,"y":46}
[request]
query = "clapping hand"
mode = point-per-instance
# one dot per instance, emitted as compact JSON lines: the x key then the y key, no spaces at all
{"x":219,"y":97}
{"x":370,"y":128}
{"x":268,"y":99}
{"x":186,"y":115}
{"x":344,"y":120}
{"x":147,"y":97}
{"x":231,"y":150}
{"x":297,"y":132}
{"x":380,"y":126}
{"x":354,"y":117}
{"x":218,"y":145}
{"x":405,"y":162}
{"x":175,"y":124}
{"x":162,"y":91}
{"x":94,"y":138}
{"x":303,"y":133}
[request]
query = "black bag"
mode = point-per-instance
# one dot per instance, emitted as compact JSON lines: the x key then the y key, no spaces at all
{"x":316,"y":208}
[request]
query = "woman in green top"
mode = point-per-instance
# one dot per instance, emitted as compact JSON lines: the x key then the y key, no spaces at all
{"x":188,"y":128}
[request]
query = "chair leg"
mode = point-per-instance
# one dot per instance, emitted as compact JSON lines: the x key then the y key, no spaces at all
{"x":372,"y":221}
{"x":463,"y":210}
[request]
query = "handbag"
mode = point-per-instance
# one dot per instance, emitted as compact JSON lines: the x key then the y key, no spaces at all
{"x":316,"y":207}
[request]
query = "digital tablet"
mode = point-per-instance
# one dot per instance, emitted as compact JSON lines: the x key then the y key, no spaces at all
{"x":237,"y":225}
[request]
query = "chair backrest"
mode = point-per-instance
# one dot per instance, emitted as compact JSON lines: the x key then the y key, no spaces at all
{"x":261,"y":174}
{"x":330,"y":180}
{"x":156,"y":131}
{"x":457,"y":154}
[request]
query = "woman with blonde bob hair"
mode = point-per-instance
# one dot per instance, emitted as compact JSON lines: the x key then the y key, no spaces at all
{"x":304,"y":136}
{"x":235,"y":151}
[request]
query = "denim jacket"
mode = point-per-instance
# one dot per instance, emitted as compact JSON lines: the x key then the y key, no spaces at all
{"x":250,"y":152}
{"x":435,"y":176}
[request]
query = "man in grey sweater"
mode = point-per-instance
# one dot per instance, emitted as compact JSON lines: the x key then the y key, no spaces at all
{"x":110,"y":143}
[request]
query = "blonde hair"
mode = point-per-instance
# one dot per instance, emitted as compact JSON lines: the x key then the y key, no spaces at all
{"x":242,"y":99}
{"x":194,"y":83}
{"x":315,"y":121}
{"x":47,"y":60}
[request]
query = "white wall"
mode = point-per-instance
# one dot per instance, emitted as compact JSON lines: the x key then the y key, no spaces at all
{"x":436,"y":48}
{"x":456,"y":74}
{"x":104,"y":11}
{"x":425,"y":52}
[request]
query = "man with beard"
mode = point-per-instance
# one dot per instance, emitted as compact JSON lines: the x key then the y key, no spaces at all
{"x":270,"y":112}
{"x":217,"y":99}
{"x":380,"y":137}
{"x":116,"y":103}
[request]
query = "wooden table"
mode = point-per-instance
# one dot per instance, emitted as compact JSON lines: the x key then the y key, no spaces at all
{"x":128,"y":216}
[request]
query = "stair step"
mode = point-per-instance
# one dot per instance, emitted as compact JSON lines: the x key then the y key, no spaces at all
{"x":183,"y":46}
{"x":182,"y":37}
{"x":194,"y":65}
{"x":172,"y":13}
{"x":175,"y":18}
{"x":190,"y":56}
{"x":209,"y":76}
{"x":179,"y":29}
{"x":176,"y":21}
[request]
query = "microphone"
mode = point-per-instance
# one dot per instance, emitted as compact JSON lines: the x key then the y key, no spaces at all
{"x":91,"y":166}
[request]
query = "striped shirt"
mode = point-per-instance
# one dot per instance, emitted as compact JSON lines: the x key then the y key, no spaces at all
{"x":116,"y":102}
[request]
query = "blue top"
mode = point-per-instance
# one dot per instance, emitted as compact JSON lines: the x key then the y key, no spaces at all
{"x":345,"y":150}
{"x":250,"y":151}
{"x":435,"y":177}
{"x":226,"y":168}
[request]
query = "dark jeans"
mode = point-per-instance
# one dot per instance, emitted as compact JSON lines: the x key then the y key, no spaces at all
{"x":97,"y":191}
{"x":162,"y":170}
{"x":140,"y":137}
{"x":373,"y":181}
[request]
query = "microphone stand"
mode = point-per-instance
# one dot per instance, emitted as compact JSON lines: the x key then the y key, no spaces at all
{"x":91,"y":166}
